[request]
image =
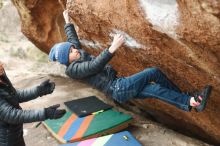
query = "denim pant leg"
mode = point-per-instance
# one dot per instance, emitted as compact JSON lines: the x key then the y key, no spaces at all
{"x":129,"y":87}
{"x":157,"y":76}
{"x":137,"y":86}
{"x":170,"y":96}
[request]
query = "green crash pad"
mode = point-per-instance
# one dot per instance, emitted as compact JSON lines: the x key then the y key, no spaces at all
{"x":71,"y":128}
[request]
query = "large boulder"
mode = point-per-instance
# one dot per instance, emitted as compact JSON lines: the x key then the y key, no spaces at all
{"x":181,"y":37}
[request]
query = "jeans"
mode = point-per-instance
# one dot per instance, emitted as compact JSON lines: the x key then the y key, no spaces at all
{"x":150,"y":82}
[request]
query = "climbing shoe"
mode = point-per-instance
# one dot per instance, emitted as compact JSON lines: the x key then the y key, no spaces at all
{"x":202,"y":97}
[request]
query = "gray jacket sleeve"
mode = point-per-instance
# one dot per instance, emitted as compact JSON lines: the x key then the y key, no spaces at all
{"x":83,"y":69}
{"x":12,"y":115}
{"x":27,"y":94}
{"x":72,"y":35}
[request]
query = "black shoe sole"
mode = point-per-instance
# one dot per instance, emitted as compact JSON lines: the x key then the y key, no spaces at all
{"x":201,"y":107}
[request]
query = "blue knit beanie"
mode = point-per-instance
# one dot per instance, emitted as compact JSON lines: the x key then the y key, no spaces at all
{"x":60,"y":52}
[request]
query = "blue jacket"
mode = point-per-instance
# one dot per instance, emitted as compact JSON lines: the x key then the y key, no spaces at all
{"x":93,"y":70}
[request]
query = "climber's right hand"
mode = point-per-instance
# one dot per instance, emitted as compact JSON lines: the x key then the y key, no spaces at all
{"x":116,"y":43}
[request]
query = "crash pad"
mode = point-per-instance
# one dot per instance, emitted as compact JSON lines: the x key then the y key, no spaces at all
{"x":123,"y":138}
{"x":71,"y":128}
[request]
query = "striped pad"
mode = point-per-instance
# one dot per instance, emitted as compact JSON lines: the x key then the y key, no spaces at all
{"x":119,"y":139}
{"x":71,"y":128}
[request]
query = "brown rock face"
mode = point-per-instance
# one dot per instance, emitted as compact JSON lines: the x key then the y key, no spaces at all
{"x":181,"y":37}
{"x":42,"y":21}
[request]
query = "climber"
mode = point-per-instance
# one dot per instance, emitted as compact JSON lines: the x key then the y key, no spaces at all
{"x":12,"y":116}
{"x":95,"y":71}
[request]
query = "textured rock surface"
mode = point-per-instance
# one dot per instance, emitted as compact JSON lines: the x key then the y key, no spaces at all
{"x":181,"y":37}
{"x":41,"y":21}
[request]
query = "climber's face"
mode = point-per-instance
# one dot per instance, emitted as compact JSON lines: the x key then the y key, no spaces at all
{"x":73,"y":54}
